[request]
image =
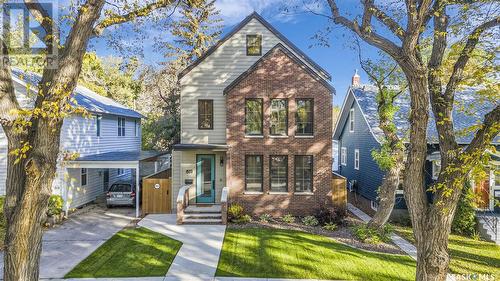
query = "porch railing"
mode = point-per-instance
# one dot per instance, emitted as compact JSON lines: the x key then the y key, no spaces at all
{"x":490,"y":220}
{"x":182,"y":201}
{"x":223,"y":204}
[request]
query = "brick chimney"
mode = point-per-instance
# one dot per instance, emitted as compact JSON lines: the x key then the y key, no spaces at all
{"x":356,"y":79}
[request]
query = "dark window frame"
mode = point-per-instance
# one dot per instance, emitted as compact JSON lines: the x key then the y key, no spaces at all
{"x":211,"y":115}
{"x":98,"y":119}
{"x":286,"y":172}
{"x":297,"y":114}
{"x":83,"y":175}
{"x":261,"y":171}
{"x":295,"y":174}
{"x":260,"y":46}
{"x":261,"y":116}
{"x":270,"y":117}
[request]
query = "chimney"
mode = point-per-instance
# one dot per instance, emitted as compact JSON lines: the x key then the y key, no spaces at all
{"x":355,"y":79}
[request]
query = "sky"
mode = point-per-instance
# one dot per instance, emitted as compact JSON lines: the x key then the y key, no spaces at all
{"x":299,"y":25}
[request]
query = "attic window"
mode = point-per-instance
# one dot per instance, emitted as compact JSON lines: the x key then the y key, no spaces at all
{"x":254,"y":45}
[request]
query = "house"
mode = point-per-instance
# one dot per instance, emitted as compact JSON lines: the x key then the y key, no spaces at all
{"x":95,"y":151}
{"x":255,"y":118}
{"x":358,"y":133}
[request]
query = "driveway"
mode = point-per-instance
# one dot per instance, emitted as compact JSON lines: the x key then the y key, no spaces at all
{"x":68,"y":244}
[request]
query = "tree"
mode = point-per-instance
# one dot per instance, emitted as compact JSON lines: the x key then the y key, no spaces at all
{"x":406,"y":26}
{"x":34,"y":134}
{"x":390,"y":84}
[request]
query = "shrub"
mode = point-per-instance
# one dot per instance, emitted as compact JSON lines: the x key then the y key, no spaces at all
{"x":373,"y":236}
{"x":330,"y":226}
{"x":326,"y":215}
{"x":55,"y":205}
{"x":464,"y":222}
{"x":234,"y":212}
{"x":288,"y":218}
{"x":310,"y":221}
{"x":243,"y":219}
{"x":265,"y":218}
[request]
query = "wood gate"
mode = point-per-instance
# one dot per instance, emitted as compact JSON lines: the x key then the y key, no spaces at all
{"x":157,"y":193}
{"x":339,"y":191}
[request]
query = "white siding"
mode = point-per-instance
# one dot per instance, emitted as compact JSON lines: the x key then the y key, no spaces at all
{"x":208,"y":80}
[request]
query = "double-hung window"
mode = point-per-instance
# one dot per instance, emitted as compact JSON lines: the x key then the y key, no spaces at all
{"x":83,"y":177}
{"x":205,"y":114}
{"x":253,"y":173}
{"x":136,"y":128}
{"x":278,"y":173}
{"x":120,"y":171}
{"x":253,"y":117}
{"x":254,"y":45}
{"x":351,"y":120}
{"x":303,"y":173}
{"x":121,"y":126}
{"x":304,"y":117}
{"x":356,"y":159}
{"x":279,"y":117}
{"x":98,"y":125}
{"x":343,"y":156}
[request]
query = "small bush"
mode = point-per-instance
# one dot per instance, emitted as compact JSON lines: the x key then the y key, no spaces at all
{"x":326,"y":215}
{"x":55,"y":205}
{"x":464,"y":222}
{"x":234,"y":212}
{"x":288,"y":218}
{"x":330,"y":226}
{"x":310,"y":221}
{"x":265,"y":218}
{"x":373,"y":236}
{"x":243,"y":219}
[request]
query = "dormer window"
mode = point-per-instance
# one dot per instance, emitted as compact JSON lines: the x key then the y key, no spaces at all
{"x":254,"y":45}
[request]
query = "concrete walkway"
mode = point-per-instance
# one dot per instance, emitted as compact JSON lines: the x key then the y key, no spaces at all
{"x":180,"y":279}
{"x":67,"y":245}
{"x":199,"y":255}
{"x":404,"y":245}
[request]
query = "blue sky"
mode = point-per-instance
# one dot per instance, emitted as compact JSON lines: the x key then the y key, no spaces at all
{"x":299,"y":25}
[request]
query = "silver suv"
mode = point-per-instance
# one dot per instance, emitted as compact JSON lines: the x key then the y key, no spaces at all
{"x":121,"y":193}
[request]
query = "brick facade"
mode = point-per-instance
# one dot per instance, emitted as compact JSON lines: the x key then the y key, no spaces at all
{"x":279,"y":75}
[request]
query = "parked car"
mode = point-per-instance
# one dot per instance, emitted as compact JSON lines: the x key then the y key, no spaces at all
{"x":121,"y":193}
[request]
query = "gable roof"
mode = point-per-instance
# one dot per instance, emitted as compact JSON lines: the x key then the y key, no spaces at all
{"x":463,"y":117}
{"x":84,"y":97}
{"x":278,"y":34}
{"x":292,"y":56}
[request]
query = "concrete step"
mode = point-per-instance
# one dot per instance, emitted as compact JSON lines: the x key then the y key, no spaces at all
{"x":201,"y":221}
{"x":203,"y":216}
{"x":202,"y":209}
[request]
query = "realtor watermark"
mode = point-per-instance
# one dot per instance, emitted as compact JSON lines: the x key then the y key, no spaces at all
{"x":29,"y":33}
{"x":473,"y":276}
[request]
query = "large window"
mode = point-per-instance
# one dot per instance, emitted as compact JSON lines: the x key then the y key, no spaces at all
{"x":278,"y":173}
{"x":121,"y":126}
{"x":279,"y":117}
{"x":253,"y":117}
{"x":253,"y":173}
{"x":83,"y":176}
{"x":304,"y":117}
{"x":351,"y":120}
{"x":205,"y":114}
{"x":343,"y":156}
{"x":136,"y":128}
{"x":356,"y":159}
{"x":254,"y":45}
{"x":98,"y":125}
{"x":303,"y":173}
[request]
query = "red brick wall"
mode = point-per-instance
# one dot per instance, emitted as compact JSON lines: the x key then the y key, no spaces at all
{"x":279,"y":76}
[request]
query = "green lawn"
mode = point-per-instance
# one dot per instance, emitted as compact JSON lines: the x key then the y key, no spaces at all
{"x":467,"y":255}
{"x":129,"y":253}
{"x":273,"y":253}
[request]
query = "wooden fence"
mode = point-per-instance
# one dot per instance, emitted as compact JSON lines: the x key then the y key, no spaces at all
{"x":157,"y":193}
{"x":339,"y":191}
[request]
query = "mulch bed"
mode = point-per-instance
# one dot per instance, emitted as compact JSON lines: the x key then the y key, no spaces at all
{"x":343,"y":233}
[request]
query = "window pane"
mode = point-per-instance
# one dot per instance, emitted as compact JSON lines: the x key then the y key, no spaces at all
{"x":205,"y":114}
{"x":497,"y":175}
{"x":253,"y":173}
{"x":278,"y":173}
{"x":254,"y":45}
{"x":279,"y":117}
{"x":253,"y":117}
{"x":304,"y":117}
{"x":303,"y":173}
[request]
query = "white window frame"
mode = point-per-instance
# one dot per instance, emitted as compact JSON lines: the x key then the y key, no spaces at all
{"x":120,"y":171}
{"x":343,"y":156}
{"x":136,"y":130}
{"x":356,"y":159}
{"x":435,"y":170}
{"x":121,"y":126}
{"x":98,"y":125}
{"x":351,"y":120}
{"x":83,"y":174}
{"x":374,"y":205}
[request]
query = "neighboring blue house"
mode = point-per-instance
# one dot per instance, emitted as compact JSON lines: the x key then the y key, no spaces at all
{"x":358,"y":133}
{"x":107,"y":145}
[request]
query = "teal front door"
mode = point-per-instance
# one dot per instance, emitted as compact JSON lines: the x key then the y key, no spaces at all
{"x":205,"y":178}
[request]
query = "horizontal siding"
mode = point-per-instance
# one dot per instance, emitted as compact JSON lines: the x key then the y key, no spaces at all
{"x":208,"y":80}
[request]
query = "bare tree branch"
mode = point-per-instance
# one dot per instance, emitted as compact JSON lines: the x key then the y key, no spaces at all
{"x":489,"y":130}
{"x":8,"y":100}
{"x":46,"y":21}
{"x":383,"y":18}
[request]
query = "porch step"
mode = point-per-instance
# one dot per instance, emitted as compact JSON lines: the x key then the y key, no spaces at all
{"x":201,"y":221}
{"x":486,"y":229}
{"x":192,"y":209}
{"x":203,"y":216}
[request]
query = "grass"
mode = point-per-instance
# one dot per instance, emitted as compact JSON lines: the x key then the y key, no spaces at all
{"x":468,"y":256}
{"x":273,"y":253}
{"x":134,"y":252}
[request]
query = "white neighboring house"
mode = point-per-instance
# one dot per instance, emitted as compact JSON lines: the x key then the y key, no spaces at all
{"x":108,"y":145}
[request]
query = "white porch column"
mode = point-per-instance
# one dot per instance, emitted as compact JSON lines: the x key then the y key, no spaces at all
{"x":137,"y":195}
